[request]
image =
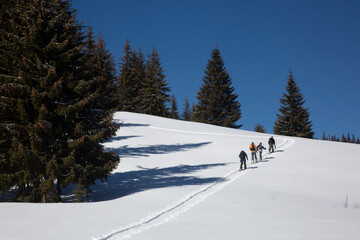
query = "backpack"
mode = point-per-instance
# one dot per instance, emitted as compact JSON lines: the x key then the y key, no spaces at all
{"x":252,"y":147}
{"x":242,"y":155}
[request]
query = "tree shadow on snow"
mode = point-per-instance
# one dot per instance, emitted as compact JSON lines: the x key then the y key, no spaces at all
{"x":146,"y":151}
{"x":122,"y":184}
{"x":134,"y":125}
{"x":119,"y":138}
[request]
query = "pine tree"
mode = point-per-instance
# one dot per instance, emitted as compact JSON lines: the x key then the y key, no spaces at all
{"x":343,"y":138}
{"x":53,"y":118}
{"x":155,"y":89}
{"x":174,"y":109}
{"x":323,"y":136}
{"x":259,"y":128}
{"x":186,"y":115}
{"x":97,"y":126}
{"x":129,"y":87}
{"x":217,"y":102}
{"x":139,"y":78}
{"x":293,"y":119}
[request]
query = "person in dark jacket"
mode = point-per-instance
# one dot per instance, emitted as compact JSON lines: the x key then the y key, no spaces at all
{"x":271,"y":144}
{"x":243,"y":157}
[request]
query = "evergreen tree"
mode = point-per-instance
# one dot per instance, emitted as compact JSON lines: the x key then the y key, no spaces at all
{"x":293,"y":119}
{"x":129,"y":86}
{"x":217,"y":102}
{"x":186,"y":115}
{"x":155,"y":89}
{"x":343,"y":138}
{"x":323,"y":136}
{"x":174,"y":109}
{"x":259,"y":128}
{"x":139,"y":78}
{"x":53,"y":117}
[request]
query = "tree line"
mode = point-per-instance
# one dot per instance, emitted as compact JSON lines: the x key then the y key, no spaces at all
{"x":344,"y":138}
{"x":59,"y":89}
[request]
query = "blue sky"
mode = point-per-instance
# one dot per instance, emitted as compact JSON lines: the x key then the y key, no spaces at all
{"x":260,"y":41}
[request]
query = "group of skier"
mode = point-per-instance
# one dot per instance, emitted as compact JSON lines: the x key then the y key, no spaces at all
{"x":254,"y":150}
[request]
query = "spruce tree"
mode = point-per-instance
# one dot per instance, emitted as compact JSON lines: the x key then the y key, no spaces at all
{"x":138,"y":80}
{"x":293,"y":119}
{"x":186,"y":115}
{"x":154,"y":91}
{"x":259,"y":128}
{"x":53,"y":118}
{"x":174,"y":109}
{"x":128,"y":88}
{"x":217,"y":101}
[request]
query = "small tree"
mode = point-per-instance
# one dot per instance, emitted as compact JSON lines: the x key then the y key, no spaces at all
{"x":186,"y":115}
{"x":174,"y":109}
{"x":259,"y":128}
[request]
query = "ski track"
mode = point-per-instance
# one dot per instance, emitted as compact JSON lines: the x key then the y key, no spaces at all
{"x":187,"y":202}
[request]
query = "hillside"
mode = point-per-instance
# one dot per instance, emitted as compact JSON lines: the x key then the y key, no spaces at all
{"x":179,"y":180}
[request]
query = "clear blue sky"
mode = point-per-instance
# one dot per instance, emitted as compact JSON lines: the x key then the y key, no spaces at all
{"x":260,"y":41}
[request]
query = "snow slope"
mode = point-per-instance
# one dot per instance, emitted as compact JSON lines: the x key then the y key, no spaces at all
{"x":179,"y":180}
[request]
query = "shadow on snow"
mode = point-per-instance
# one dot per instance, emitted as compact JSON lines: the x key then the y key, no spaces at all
{"x":122,"y":184}
{"x":126,"y":151}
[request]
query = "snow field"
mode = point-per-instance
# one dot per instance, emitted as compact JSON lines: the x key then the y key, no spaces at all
{"x":179,"y":180}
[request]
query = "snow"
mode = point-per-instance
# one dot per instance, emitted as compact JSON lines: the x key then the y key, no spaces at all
{"x":180,"y":180}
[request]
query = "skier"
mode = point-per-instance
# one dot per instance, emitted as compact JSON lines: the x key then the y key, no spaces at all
{"x":253,"y":152}
{"x":271,"y":144}
{"x":243,"y":157}
{"x":260,"y":148}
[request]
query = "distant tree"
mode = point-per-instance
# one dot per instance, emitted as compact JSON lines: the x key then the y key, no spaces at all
{"x":186,"y":115}
{"x":193,"y":109}
{"x":348,"y":139}
{"x":353,"y":140}
{"x":323,"y":136}
{"x":293,"y":119}
{"x":217,"y":101}
{"x":129,"y":84}
{"x":259,"y":128}
{"x":138,"y":79}
{"x":174,"y":109}
{"x":155,"y":89}
{"x":343,"y":138}
{"x":53,"y":113}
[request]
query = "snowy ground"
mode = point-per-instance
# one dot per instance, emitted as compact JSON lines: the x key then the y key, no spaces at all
{"x":179,"y":180}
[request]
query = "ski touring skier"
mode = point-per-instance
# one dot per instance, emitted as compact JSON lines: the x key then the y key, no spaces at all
{"x":260,"y":148}
{"x":253,"y":150}
{"x":243,"y":157}
{"x":271,"y":144}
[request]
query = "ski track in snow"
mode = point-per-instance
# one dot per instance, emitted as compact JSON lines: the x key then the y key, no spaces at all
{"x":187,"y":202}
